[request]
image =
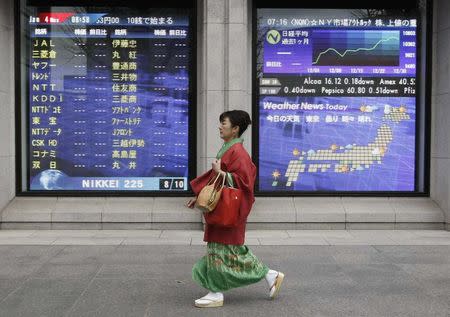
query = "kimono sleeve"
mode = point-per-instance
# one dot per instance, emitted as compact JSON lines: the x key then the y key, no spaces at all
{"x":198,"y":183}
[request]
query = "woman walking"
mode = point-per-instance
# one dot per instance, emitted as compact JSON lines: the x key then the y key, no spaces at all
{"x":228,"y":262}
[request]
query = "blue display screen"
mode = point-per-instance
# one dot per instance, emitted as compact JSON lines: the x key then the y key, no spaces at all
{"x":336,"y":97}
{"x":109,"y":99}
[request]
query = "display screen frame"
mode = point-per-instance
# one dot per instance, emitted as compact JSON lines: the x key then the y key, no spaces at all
{"x":423,"y":93}
{"x":22,"y":96}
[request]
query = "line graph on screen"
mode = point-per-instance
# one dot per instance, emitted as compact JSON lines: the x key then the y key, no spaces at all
{"x":355,"y":48}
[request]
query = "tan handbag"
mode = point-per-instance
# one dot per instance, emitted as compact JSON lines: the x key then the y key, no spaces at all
{"x":209,"y":196}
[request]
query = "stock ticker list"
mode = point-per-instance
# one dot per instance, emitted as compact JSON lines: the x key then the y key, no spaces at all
{"x":108,"y":99}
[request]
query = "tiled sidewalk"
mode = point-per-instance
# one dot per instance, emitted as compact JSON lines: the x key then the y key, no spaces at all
{"x":253,"y":237}
{"x":156,"y":280}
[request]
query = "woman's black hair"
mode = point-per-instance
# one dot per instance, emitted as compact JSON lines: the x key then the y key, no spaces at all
{"x":238,"y":118}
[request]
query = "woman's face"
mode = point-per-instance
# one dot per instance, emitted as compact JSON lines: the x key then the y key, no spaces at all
{"x":226,"y":131}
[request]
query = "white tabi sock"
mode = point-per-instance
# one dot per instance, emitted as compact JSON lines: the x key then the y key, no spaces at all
{"x":270,"y":277}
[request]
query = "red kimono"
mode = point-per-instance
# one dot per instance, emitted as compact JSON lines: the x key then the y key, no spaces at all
{"x":237,"y":162}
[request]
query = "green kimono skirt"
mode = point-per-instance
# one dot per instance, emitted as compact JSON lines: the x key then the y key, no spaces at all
{"x":228,"y":266}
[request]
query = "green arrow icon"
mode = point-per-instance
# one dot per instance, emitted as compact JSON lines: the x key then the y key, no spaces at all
{"x":273,"y":36}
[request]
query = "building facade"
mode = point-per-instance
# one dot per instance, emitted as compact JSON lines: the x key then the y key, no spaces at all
{"x":224,"y":82}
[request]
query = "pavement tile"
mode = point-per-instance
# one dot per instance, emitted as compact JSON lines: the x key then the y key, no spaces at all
{"x":415,"y":304}
{"x":38,"y":234}
{"x":199,"y":241}
{"x":157,"y":241}
{"x":411,"y":249}
{"x":16,"y":233}
{"x":42,"y":297}
{"x":67,"y":271}
{"x":26,"y":241}
{"x":83,"y":254}
{"x":17,"y":271}
{"x":417,"y":258}
{"x":352,"y":249}
{"x":435,"y":278}
{"x":8,"y":285}
{"x":87,"y":241}
{"x":127,"y":233}
{"x":152,"y":254}
{"x":360,"y":258}
{"x":155,"y":280}
{"x":26,"y":254}
{"x":252,"y":241}
{"x":294,"y":241}
{"x":386,"y":278}
{"x":276,"y":234}
{"x":115,"y":297}
{"x":425,"y":271}
{"x":170,"y":234}
{"x":423,"y":241}
{"x":319,"y":233}
{"x":431,"y":233}
{"x":253,"y":237}
{"x":164,"y":271}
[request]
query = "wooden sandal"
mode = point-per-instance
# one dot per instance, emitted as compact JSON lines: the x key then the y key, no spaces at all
{"x":275,"y":288}
{"x":208,"y":302}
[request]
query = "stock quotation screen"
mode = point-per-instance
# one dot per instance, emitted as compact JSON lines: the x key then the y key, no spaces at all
{"x":336,"y":97}
{"x":108,"y":98}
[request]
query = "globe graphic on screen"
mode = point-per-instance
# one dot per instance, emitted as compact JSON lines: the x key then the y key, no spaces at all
{"x":51,"y":179}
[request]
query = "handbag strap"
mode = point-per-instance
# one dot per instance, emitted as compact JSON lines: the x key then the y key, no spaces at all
{"x":215,"y":179}
{"x":214,"y":192}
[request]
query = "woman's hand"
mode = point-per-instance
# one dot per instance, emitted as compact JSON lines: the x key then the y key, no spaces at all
{"x":216,"y":167}
{"x":191,"y":202}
